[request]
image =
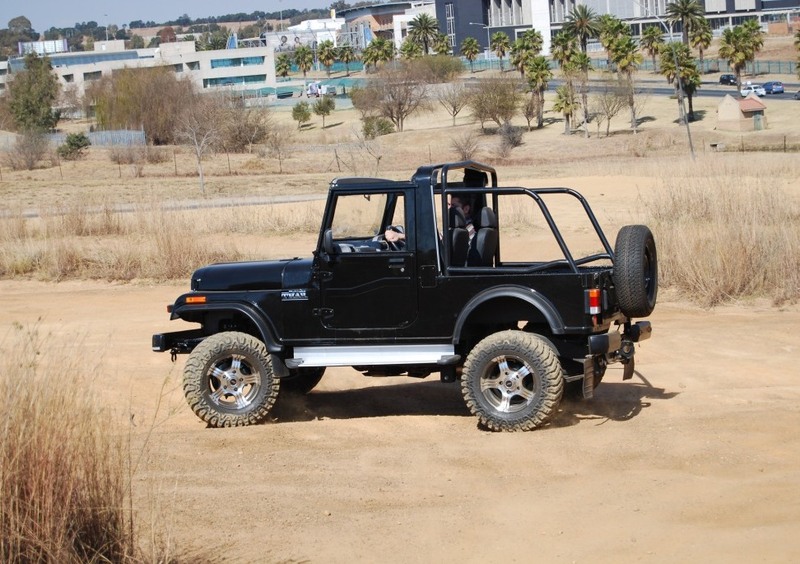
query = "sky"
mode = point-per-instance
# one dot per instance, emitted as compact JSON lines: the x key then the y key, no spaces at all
{"x":45,"y":14}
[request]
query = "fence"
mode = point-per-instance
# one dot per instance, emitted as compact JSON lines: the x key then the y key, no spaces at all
{"x":98,"y":138}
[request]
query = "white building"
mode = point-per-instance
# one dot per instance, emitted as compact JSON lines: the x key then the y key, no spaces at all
{"x":250,"y":69}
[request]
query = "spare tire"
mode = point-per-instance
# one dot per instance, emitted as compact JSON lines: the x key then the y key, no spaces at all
{"x":636,"y":270}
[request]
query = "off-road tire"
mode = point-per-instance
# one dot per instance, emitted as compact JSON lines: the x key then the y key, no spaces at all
{"x":302,"y":380}
{"x":636,"y":270}
{"x":228,"y":380}
{"x":512,"y":381}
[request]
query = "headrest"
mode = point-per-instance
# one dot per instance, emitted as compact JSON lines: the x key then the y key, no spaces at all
{"x":488,"y":217}
{"x":457,"y":218}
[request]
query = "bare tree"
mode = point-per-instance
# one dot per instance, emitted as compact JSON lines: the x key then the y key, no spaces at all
{"x":607,"y":101}
{"x":29,"y":148}
{"x":465,"y":145}
{"x":453,"y":97}
{"x":398,"y":93}
{"x":496,"y":99}
{"x":200,"y":127}
{"x":244,"y":126}
{"x":279,"y":142}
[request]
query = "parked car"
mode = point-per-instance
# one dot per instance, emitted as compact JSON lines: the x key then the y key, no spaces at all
{"x":756,"y":89}
{"x":773,"y":87}
{"x":729,"y":79}
{"x":797,"y":95}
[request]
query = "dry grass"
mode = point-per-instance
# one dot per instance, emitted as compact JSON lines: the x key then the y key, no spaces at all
{"x":62,"y":470}
{"x":729,"y":234}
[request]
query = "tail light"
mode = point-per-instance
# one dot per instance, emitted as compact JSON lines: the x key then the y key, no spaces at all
{"x":593,"y":301}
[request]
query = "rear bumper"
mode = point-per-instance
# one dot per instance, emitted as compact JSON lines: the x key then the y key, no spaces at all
{"x":610,"y":342}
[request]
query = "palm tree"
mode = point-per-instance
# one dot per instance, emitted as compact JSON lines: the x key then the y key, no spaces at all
{"x":500,"y":44}
{"x":525,"y":47}
{"x":700,"y":38}
{"x":627,"y":58}
{"x":441,"y":45}
{"x":326,"y":54}
{"x":423,"y":30}
{"x":304,"y":58}
{"x":283,"y":65}
{"x":539,"y":75}
{"x":582,"y":23}
{"x":563,"y":48}
{"x":582,"y":64}
{"x":678,"y":66}
{"x":410,"y":49}
{"x":687,"y":12}
{"x":378,"y":51}
{"x":470,"y":49}
{"x":347,"y":55}
{"x":567,"y":104}
{"x":611,"y":29}
{"x":735,"y":48}
{"x":651,"y":41}
{"x":756,"y":39}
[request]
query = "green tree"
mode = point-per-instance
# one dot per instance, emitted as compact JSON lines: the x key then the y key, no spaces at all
{"x":563,"y":48}
{"x":32,"y":94}
{"x":283,"y":65}
{"x":136,"y":42}
{"x":304,"y":58}
{"x":378,"y":51}
{"x":347,"y":55}
{"x":700,"y":38}
{"x":651,"y":41}
{"x":324,"y":107}
{"x":470,"y":49}
{"x":539,"y":75}
{"x":74,"y":146}
{"x":301,"y":113}
{"x":582,"y":23}
{"x":500,"y":44}
{"x":423,"y":30}
{"x":687,"y":13}
{"x":326,"y":54}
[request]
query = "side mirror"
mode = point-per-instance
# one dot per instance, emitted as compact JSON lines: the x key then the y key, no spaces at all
{"x":327,"y":242}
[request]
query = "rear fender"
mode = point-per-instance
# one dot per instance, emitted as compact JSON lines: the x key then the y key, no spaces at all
{"x":527,"y":295}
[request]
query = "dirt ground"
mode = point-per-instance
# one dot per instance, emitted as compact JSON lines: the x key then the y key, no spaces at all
{"x":696,"y":459}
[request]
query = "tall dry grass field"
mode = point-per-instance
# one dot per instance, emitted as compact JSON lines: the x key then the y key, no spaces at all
{"x":62,"y":469}
{"x":729,"y":229}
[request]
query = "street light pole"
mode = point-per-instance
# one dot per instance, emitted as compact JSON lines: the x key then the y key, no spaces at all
{"x":488,"y":38}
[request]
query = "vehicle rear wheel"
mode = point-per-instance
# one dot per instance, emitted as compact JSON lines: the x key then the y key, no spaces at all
{"x":636,"y":270}
{"x":512,"y":381}
{"x":302,"y":380}
{"x":228,"y":380}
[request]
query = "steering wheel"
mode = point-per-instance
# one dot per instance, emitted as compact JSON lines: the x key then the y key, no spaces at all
{"x":392,"y":245}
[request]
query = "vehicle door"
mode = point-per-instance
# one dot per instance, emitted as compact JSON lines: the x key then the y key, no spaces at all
{"x":367,"y":284}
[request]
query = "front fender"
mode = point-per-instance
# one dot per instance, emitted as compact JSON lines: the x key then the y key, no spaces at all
{"x":264,"y":326}
{"x":528,"y":295}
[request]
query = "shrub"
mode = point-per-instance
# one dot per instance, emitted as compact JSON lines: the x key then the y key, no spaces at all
{"x":377,"y":126}
{"x":510,"y":137}
{"x":74,"y":146}
{"x":437,"y":69}
{"x":301,"y":113}
{"x":29,"y":148}
{"x":465,"y":146}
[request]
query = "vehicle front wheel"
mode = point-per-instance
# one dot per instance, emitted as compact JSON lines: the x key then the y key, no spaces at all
{"x":228,"y":380}
{"x":512,"y":381}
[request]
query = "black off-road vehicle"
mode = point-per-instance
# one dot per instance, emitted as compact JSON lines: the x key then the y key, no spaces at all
{"x":401,"y":284}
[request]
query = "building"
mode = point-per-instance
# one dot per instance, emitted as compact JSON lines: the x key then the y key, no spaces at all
{"x":482,"y":18}
{"x":245,"y":69}
{"x":364,"y":23}
{"x":747,"y":114}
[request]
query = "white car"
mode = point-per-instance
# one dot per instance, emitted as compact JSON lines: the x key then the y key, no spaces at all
{"x":756,"y":89}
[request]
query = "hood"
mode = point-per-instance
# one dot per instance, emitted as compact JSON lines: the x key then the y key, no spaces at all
{"x":255,"y":275}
